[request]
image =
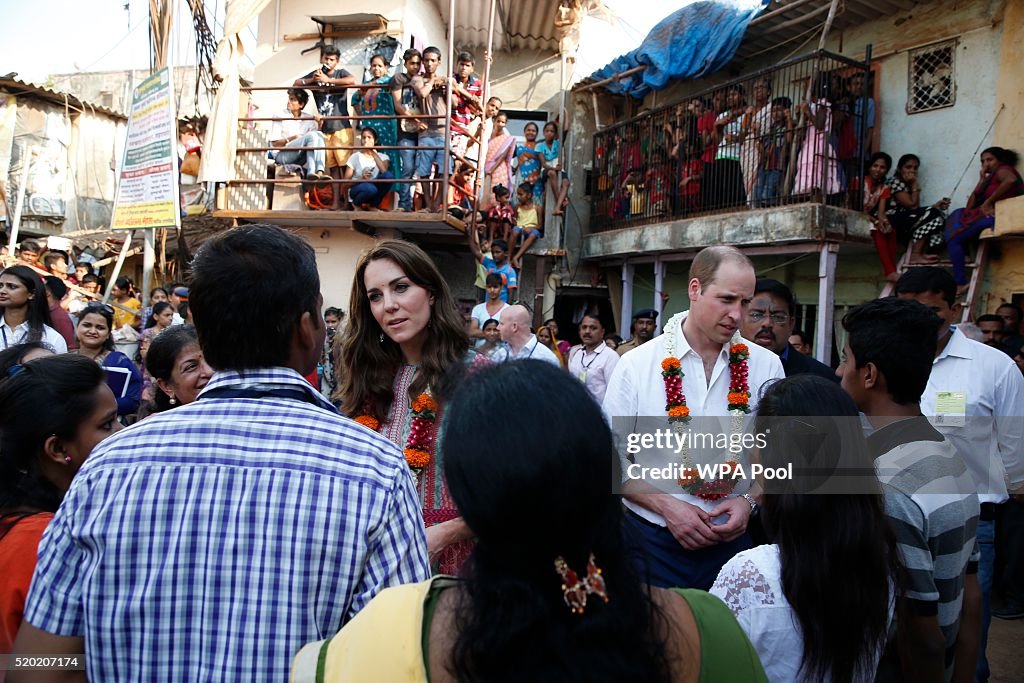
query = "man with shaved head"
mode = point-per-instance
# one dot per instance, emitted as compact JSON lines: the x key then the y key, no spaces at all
{"x":685,"y":530}
{"x":514,"y":328}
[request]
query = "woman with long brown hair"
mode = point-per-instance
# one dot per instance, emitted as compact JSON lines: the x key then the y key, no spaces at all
{"x":402,"y":355}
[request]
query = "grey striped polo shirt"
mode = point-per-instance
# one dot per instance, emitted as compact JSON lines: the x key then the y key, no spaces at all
{"x":932,"y":503}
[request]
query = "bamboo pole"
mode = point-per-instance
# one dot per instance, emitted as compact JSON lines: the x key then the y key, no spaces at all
{"x":797,"y":138}
{"x":478,"y":177}
{"x":443,"y":191}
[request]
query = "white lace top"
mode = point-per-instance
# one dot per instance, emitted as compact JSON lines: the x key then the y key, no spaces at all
{"x":750,"y":585}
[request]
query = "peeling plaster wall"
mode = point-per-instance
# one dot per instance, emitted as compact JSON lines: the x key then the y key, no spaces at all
{"x":1005,"y":275}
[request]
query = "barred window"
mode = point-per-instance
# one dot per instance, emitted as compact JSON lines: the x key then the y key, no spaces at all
{"x":931,"y":83}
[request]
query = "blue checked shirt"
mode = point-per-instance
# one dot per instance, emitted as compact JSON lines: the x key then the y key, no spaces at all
{"x":210,"y":542}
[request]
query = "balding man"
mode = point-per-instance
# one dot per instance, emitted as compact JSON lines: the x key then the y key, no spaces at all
{"x":514,"y":328}
{"x":686,"y":530}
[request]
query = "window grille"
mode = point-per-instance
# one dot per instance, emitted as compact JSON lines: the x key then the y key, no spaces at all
{"x":931,"y":80}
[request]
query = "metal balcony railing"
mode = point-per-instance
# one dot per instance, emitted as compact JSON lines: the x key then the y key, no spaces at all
{"x":443,"y":176}
{"x":792,"y":133}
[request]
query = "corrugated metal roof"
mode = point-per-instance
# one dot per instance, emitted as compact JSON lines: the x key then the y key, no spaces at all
{"x":518,"y":24}
{"x":16,"y":87}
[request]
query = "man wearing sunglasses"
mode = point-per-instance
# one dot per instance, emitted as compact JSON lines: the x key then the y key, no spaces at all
{"x":769,"y":322}
{"x":406,"y":104}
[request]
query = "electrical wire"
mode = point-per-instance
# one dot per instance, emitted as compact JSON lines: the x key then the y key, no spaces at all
{"x":796,"y":259}
{"x":977,"y":149}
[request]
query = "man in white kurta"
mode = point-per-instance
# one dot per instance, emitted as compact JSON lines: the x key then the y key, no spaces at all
{"x":683,"y":540}
{"x":975,"y":398}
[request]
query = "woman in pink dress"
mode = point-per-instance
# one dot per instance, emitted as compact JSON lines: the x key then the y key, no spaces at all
{"x":817,"y":169}
{"x":404,"y":351}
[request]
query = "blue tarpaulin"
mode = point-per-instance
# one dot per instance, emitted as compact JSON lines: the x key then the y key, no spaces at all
{"x":692,"y":42}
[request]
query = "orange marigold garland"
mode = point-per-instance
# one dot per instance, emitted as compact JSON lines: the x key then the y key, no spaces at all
{"x":675,"y":401}
{"x":678,"y":413}
{"x":739,"y":389}
{"x":368,"y":421}
{"x":419,"y":447}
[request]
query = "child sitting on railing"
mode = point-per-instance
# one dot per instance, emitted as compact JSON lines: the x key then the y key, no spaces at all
{"x":500,"y":215}
{"x":460,"y":189}
{"x":558,"y":182}
{"x":528,"y":222}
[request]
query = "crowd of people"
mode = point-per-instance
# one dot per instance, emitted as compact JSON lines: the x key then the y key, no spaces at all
{"x":247,"y":526}
{"x":741,"y":146}
{"x":42,"y":303}
{"x":402,"y":139}
{"x":897,"y":216}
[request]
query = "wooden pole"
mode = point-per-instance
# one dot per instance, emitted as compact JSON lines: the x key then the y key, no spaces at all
{"x":446,"y":174}
{"x":161,"y":18}
{"x":797,"y":139}
{"x":478,"y":179}
{"x":828,"y":23}
{"x":624,"y":74}
{"x":120,"y":263}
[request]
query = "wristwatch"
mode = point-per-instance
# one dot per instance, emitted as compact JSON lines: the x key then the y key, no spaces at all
{"x":754,"y":507}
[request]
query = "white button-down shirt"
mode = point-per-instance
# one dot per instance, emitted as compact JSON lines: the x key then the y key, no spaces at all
{"x":535,"y":350}
{"x":17,"y":335}
{"x":989,"y":432}
{"x":593,"y":368}
{"x":637,"y":390}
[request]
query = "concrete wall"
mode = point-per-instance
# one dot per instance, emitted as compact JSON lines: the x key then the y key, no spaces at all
{"x":112,"y":89}
{"x":945,"y":139}
{"x":799,"y":272}
{"x":337,"y":251}
{"x":422,"y":23}
{"x":527,"y":79}
{"x":281,"y":66}
{"x":1005,"y":276}
{"x":336,"y":254}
